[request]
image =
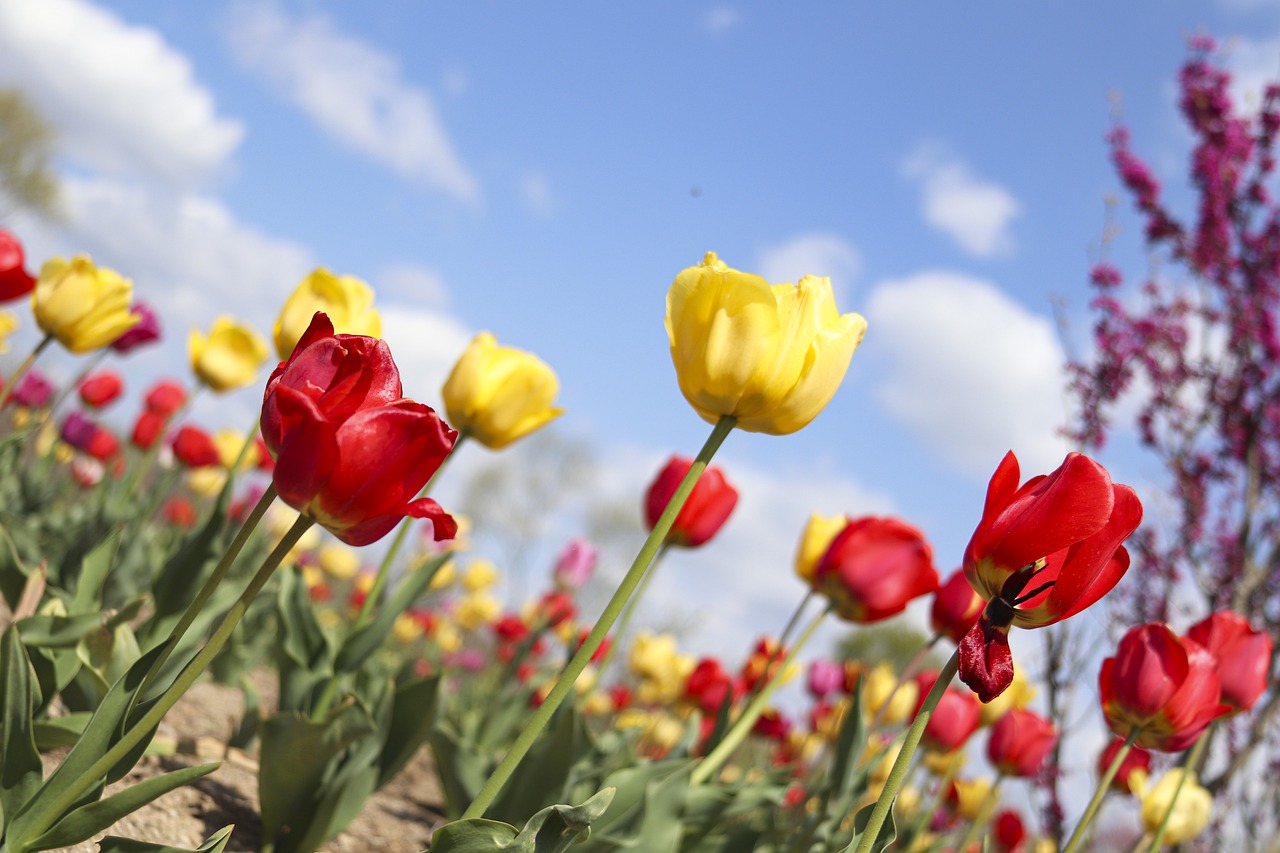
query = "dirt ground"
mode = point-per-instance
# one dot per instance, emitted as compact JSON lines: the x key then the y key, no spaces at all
{"x":397,"y":819}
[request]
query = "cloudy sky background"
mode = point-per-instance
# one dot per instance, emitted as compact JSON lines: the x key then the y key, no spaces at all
{"x":543,"y":173}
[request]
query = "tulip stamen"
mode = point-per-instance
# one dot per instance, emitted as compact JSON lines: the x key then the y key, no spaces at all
{"x":1030,"y":595}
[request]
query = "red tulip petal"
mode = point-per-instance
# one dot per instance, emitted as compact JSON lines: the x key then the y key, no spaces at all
{"x":1150,"y":666}
{"x":986,"y":664}
{"x":309,"y":453}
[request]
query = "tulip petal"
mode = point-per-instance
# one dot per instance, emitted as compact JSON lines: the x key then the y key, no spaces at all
{"x":309,"y":453}
{"x":986,"y":664}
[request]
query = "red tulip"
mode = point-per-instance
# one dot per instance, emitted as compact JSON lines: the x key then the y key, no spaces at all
{"x":708,"y":685}
{"x":194,"y":448}
{"x":101,"y":388}
{"x":874,"y":568}
{"x":1019,"y":743}
{"x":166,"y":397}
{"x":1008,"y":832}
{"x":1165,"y":685}
{"x":705,"y":511}
{"x":102,"y":445}
{"x":180,"y":512}
{"x":953,"y":721}
{"x":1243,"y":654}
{"x":956,"y":607}
{"x":350,"y":451}
{"x":1135,"y":759}
{"x":147,"y":429}
{"x":1042,"y":552}
{"x":15,"y":281}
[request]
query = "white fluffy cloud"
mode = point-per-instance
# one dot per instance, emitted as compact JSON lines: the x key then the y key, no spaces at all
{"x":812,"y":254}
{"x":425,"y":345}
{"x":1253,"y":67}
{"x":123,"y":101}
{"x":971,"y":211}
{"x":354,"y":92}
{"x":971,"y":371}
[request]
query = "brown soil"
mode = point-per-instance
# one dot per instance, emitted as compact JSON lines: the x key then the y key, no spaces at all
{"x":397,"y":819}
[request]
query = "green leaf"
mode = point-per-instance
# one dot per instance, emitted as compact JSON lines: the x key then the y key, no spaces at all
{"x":295,"y":755}
{"x":60,"y":731}
{"x":369,"y":638}
{"x":21,"y":770}
{"x":654,"y":823}
{"x":58,"y":631}
{"x":306,"y":653}
{"x":849,"y":745}
{"x":460,"y":769}
{"x":473,"y":836}
{"x":184,"y":572}
{"x":94,"y":569}
{"x":89,"y":819}
{"x":413,"y":717}
{"x":542,"y":776}
{"x":552,"y":830}
{"x":215,"y":843}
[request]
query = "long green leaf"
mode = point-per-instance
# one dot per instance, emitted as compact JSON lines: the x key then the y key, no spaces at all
{"x":215,"y":843}
{"x":94,"y":569}
{"x":58,"y":631}
{"x":21,"y":770}
{"x":84,"y":822}
{"x":413,"y":717}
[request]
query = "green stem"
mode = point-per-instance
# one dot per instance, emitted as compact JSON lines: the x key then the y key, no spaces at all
{"x":1077,"y":836}
{"x":579,"y":662}
{"x":624,"y":623}
{"x":21,"y":371}
{"x":743,"y":725}
{"x":52,"y":811}
{"x":1188,"y":766}
{"x":900,"y":766}
{"x":384,"y":569}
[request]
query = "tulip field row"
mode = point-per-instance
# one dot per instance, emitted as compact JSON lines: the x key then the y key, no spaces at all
{"x":136,"y":562}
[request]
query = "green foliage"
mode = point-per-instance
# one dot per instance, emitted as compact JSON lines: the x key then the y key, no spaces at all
{"x":26,"y":148}
{"x":216,"y":843}
{"x":895,"y":640}
{"x":551,"y":830}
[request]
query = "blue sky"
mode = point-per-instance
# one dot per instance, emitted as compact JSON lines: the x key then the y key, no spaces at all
{"x":543,"y":172}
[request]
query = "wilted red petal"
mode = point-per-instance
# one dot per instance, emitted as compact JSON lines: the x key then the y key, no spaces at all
{"x":986,"y":664}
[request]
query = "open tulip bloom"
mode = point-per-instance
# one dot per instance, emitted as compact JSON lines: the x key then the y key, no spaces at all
{"x":1044,"y":551}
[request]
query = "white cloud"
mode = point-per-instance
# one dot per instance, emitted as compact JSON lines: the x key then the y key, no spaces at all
{"x":123,"y":100}
{"x":721,"y":18}
{"x":972,"y":372}
{"x":1254,"y":64}
{"x":812,"y":254}
{"x":973,"y":212}
{"x":425,"y":344}
{"x":354,"y":92}
{"x":413,"y":283}
{"x":536,"y":190}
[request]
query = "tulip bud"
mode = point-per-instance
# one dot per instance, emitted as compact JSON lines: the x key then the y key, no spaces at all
{"x":874,"y":568}
{"x":497,"y":395}
{"x":704,"y":512}
{"x":228,"y":357}
{"x":101,"y":388}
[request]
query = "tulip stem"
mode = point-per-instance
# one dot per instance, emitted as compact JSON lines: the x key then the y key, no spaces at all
{"x":21,"y":371}
{"x":50,"y":812}
{"x":624,"y":622}
{"x":384,"y":568}
{"x":903,"y":762}
{"x":1188,"y":767}
{"x":743,"y":725}
{"x":524,"y":741}
{"x":1104,"y":784}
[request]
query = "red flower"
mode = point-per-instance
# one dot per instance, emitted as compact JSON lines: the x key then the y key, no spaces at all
{"x":194,"y":448}
{"x":953,"y":721}
{"x":101,"y":388}
{"x":350,"y":450}
{"x":556,"y":607}
{"x":874,"y":568}
{"x":762,"y":663}
{"x":1019,"y":743}
{"x":102,"y":445}
{"x":15,"y":281}
{"x":1243,"y":654}
{"x":1043,"y":552}
{"x":1136,"y":758}
{"x":772,"y":725}
{"x":708,"y":685}
{"x":147,"y":429}
{"x":165,"y":397}
{"x":180,"y":511}
{"x":702,"y":515}
{"x":1165,"y":685}
{"x":956,"y":607}
{"x":1009,"y":833}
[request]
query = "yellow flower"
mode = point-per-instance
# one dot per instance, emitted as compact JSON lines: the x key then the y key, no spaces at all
{"x":206,"y":481}
{"x":481,"y":574}
{"x":406,"y":629}
{"x":476,"y":609}
{"x":816,"y":537}
{"x":444,"y":576}
{"x":447,"y":637}
{"x":84,"y":306}
{"x":942,"y":763}
{"x":339,"y":561}
{"x":1191,"y":813}
{"x":229,"y":357}
{"x":229,"y":443}
{"x":970,"y":795}
{"x":770,"y":356}
{"x":1018,"y":695}
{"x":878,"y":684}
{"x":346,"y":299}
{"x":8,"y":325}
{"x":499,"y":394}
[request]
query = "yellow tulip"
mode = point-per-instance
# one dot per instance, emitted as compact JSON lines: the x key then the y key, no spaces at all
{"x":346,"y":299}
{"x":970,"y":795}
{"x":477,"y":609}
{"x":1190,"y":814}
{"x":878,"y":686}
{"x":339,"y":561}
{"x":816,"y":537}
{"x":770,"y":356}
{"x":499,"y":394}
{"x":229,"y":357}
{"x":84,"y":306}
{"x":8,"y":325}
{"x":480,"y":575}
{"x":229,"y":443}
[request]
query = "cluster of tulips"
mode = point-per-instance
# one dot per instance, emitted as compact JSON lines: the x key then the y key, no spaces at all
{"x":544,"y":732}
